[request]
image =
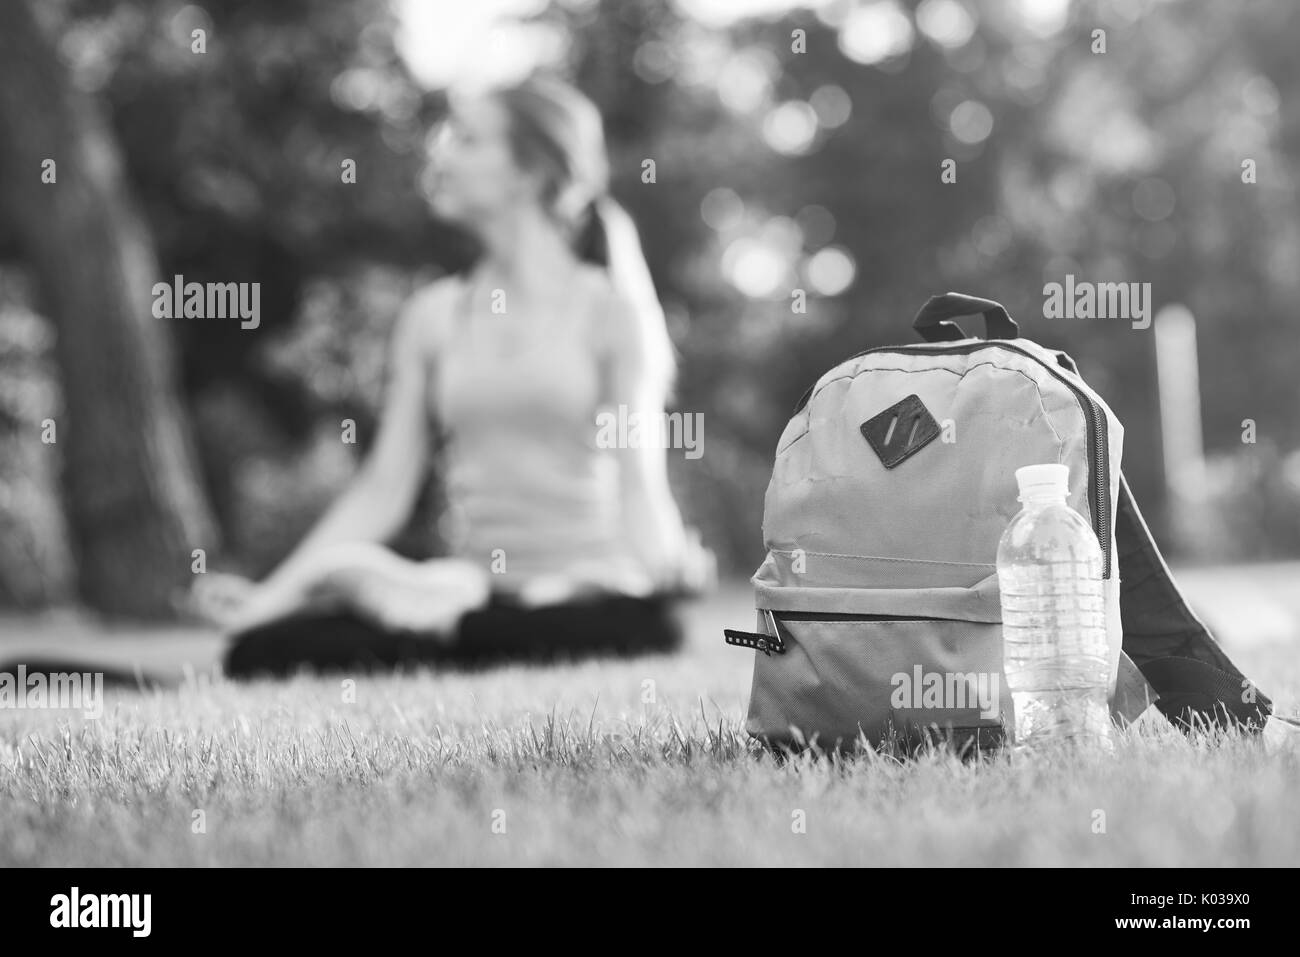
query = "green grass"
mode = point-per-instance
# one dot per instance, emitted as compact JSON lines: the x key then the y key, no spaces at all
{"x":583,"y":770}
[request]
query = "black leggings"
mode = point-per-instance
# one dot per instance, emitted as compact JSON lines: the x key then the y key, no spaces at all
{"x":501,"y":632}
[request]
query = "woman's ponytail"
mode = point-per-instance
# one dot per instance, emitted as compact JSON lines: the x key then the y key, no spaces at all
{"x":609,"y":238}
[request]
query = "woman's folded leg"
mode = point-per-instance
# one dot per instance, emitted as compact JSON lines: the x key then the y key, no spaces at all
{"x":605,"y":625}
{"x":362,"y":607}
{"x":499,"y":633}
{"x":324,"y":643}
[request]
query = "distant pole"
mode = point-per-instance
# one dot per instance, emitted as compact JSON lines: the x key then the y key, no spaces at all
{"x":1180,"y":426}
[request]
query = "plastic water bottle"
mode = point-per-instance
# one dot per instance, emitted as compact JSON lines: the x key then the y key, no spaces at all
{"x":1055,"y":654}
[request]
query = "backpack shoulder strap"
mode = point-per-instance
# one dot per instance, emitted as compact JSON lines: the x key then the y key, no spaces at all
{"x":1196,"y":681}
{"x":1194,"y":694}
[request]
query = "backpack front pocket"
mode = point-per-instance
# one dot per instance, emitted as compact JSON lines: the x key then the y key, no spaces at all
{"x":831,"y":678}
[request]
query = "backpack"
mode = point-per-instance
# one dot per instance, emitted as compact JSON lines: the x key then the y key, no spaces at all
{"x":878,"y":616}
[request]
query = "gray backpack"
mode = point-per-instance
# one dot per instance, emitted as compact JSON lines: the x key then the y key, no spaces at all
{"x":878,"y":611}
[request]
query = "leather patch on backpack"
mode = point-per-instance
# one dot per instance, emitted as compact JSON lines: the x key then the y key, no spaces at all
{"x":900,"y":431}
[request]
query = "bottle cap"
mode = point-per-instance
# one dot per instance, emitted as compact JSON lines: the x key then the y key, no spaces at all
{"x":1043,"y":480}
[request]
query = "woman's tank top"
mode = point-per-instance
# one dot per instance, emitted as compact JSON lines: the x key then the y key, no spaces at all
{"x":530,"y":494}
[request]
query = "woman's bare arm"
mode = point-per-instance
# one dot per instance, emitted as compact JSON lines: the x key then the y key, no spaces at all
{"x":380,"y":497}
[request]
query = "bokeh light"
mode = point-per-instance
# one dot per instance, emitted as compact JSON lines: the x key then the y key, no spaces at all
{"x":971,"y":122}
{"x":831,"y":271}
{"x":790,"y":127}
{"x":946,"y":22}
{"x":875,"y":32}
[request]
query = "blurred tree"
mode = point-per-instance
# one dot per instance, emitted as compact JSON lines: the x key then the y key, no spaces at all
{"x":36,"y":568}
{"x":133,"y":500}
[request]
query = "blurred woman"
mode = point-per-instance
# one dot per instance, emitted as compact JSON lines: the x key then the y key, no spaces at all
{"x":558,"y":545}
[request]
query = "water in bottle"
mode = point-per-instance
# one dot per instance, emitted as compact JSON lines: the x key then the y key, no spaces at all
{"x":1055,"y":654}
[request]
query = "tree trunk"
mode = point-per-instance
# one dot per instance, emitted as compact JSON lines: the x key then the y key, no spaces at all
{"x":134,"y":503}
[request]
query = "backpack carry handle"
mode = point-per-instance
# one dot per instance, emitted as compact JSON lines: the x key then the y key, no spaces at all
{"x":934,"y":323}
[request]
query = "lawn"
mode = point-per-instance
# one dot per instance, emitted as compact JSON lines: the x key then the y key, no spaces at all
{"x":619,"y":762}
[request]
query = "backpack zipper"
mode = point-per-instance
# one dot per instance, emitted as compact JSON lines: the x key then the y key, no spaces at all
{"x":773,"y":641}
{"x":1098,"y":441}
